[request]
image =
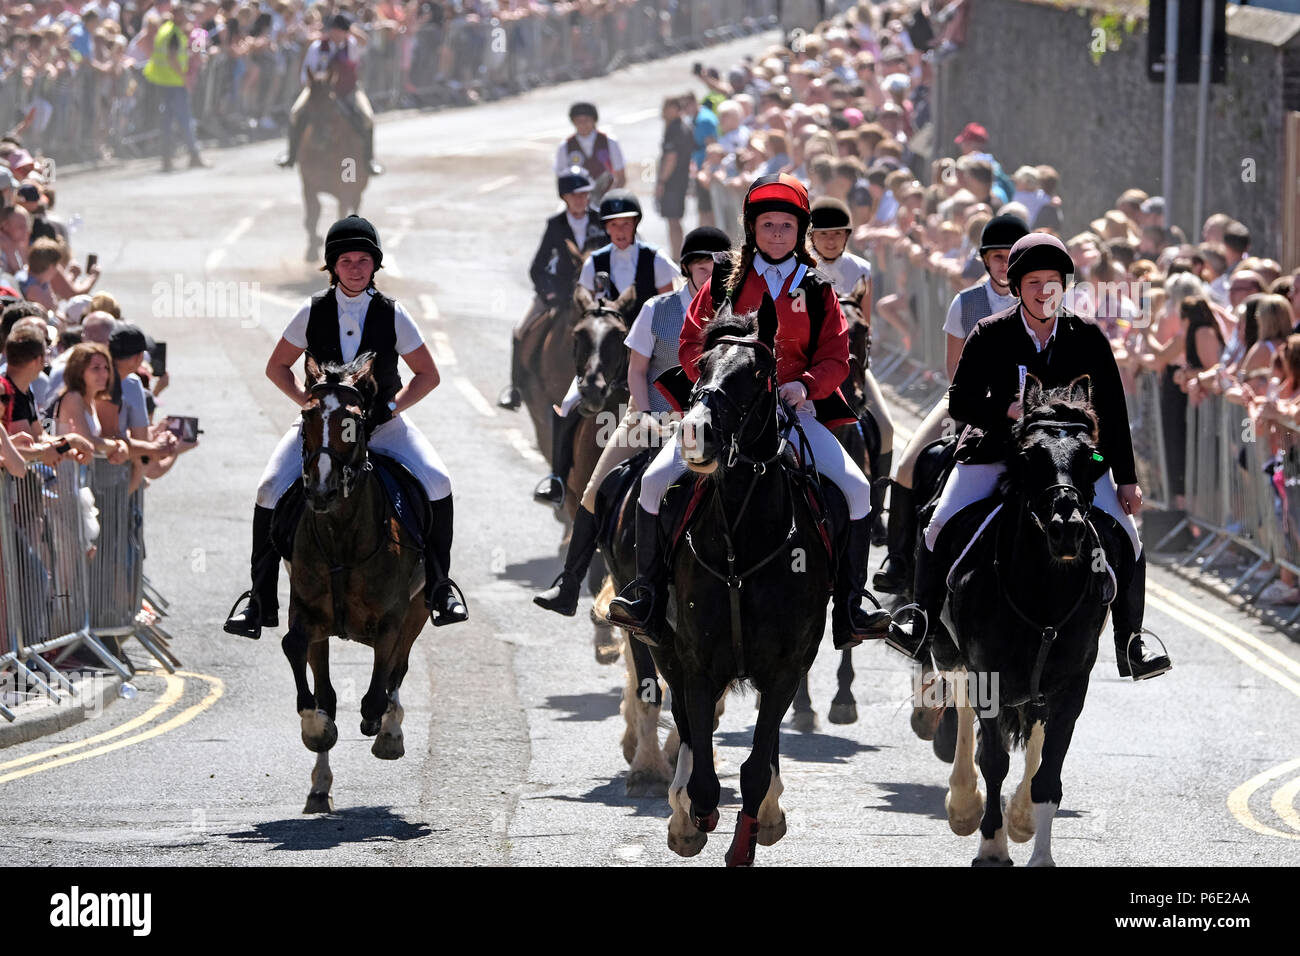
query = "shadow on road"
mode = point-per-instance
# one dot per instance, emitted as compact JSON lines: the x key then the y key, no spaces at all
{"x":614,"y":794}
{"x":536,"y":574}
{"x":330,"y":830}
{"x":926,"y":800}
{"x":801,"y":748}
{"x":587,"y":707}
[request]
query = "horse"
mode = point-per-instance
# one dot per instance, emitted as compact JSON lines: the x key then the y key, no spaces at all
{"x":355,"y":572}
{"x":748,"y":590}
{"x":1028,"y":603}
{"x":330,"y":159}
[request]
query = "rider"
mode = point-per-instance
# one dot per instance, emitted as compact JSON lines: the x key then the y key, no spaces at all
{"x":628,"y":262}
{"x":652,"y":346}
{"x":832,"y":224}
{"x":595,"y":151}
{"x":350,"y":317}
{"x":337,"y":53}
{"x":968,"y":306}
{"x":1056,"y":347}
{"x":552,"y":270}
{"x":772,"y":260}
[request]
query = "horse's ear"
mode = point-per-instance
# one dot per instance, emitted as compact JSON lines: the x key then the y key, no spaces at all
{"x":312,"y":370}
{"x":625,"y":303}
{"x":1081,"y":389}
{"x":860,"y":289}
{"x":1033,"y":392}
{"x":767,"y":321}
{"x":585,"y":300}
{"x":364,"y":378}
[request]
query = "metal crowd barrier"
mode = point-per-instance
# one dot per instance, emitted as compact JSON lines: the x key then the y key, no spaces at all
{"x":87,"y":114}
{"x":71,"y":573}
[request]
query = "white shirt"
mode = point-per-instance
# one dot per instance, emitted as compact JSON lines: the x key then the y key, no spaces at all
{"x":563,"y":160}
{"x":352,"y":319}
{"x":846,"y":271}
{"x":578,"y":226}
{"x":317,"y":59}
{"x":999,"y":303}
{"x":641,"y":337}
{"x":886,"y":210}
{"x":1033,"y":337}
{"x":622,"y":268}
{"x":774,"y":274}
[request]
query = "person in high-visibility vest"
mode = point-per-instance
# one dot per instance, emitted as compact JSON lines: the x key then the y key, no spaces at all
{"x":168,"y":69}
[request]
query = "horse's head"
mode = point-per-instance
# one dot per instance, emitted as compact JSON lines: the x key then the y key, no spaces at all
{"x":599,"y":355}
{"x":1056,"y":464}
{"x":333,"y":429}
{"x":734,"y":398}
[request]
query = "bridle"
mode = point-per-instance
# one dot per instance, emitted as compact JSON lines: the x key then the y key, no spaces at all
{"x":1082,"y":499}
{"x":618,"y":381}
{"x":349,"y":467}
{"x":746,"y":415}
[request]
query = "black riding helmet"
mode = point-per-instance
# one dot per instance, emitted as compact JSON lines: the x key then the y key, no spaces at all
{"x":352,"y":234}
{"x":619,"y":204}
{"x":584,"y":109}
{"x":702,"y":242}
{"x":574,"y":180}
{"x":830,"y":213}
{"x":340,"y":21}
{"x":1002,"y":232}
{"x":1038,"y":250}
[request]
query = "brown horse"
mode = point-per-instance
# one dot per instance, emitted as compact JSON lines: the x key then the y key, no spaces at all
{"x":355,"y":572}
{"x":332,"y":159}
{"x":545,"y":359}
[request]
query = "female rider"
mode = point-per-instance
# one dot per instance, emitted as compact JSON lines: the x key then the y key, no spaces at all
{"x":348,"y":318}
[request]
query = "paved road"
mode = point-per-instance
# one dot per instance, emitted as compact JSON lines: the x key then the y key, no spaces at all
{"x":513,"y":729}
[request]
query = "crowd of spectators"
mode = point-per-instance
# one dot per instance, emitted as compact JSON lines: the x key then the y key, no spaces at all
{"x":847,"y":109}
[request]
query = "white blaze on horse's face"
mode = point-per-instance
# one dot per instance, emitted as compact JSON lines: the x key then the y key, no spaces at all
{"x":696,"y":441}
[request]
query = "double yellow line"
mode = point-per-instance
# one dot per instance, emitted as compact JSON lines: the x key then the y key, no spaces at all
{"x":112,"y":740}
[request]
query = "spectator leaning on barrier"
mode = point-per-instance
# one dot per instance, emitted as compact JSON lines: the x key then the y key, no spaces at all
{"x":87,"y":373}
{"x":171,"y":71}
{"x":125,"y":413}
{"x":25,"y":350}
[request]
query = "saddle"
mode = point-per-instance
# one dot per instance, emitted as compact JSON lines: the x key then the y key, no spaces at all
{"x":406,"y":501}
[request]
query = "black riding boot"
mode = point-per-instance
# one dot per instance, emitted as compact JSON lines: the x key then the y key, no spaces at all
{"x":562,"y":596}
{"x":510,"y":397}
{"x":851,"y":624}
{"x":442,"y":597}
{"x":930,"y":590}
{"x":263,"y":608}
{"x":374,"y":167}
{"x":550,"y":490}
{"x":290,"y":157}
{"x":641,"y":602}
{"x":879,"y":485}
{"x":896,"y":573}
{"x":1127,"y":611}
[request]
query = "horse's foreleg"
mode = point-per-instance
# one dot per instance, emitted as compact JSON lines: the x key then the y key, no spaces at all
{"x":964,"y":802}
{"x":319,"y":799}
{"x":994,"y":762}
{"x":684,"y":837}
{"x":805,"y":718}
{"x":704,"y":789}
{"x":375,"y":702}
{"x":311,"y":218}
{"x":844,"y":709}
{"x":1020,"y":813}
{"x":294,"y":644}
{"x":389,"y":744}
{"x":319,"y":732}
{"x":760,"y":786}
{"x":928,"y":701}
{"x":771,"y":818}
{"x":650,"y":772}
{"x":1045,"y":791}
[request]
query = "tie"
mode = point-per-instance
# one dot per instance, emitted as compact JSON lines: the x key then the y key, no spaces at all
{"x":773,"y":276}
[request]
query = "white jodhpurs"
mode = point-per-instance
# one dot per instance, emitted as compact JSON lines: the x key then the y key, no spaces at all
{"x":832,"y":460}
{"x":397,"y":438}
{"x":969,"y":483}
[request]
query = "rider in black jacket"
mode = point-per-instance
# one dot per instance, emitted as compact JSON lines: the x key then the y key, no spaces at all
{"x":1055,"y":347}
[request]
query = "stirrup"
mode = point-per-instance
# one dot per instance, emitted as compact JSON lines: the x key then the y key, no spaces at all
{"x":254,"y":605}
{"x":540,"y":491}
{"x":509,"y":398}
{"x":907,"y":652}
{"x":1128,"y":658}
{"x":440,"y":617}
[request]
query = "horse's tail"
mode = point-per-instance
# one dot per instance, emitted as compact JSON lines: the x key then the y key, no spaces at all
{"x":600,"y":606}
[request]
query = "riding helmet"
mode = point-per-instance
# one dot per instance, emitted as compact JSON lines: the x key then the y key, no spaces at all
{"x":777,"y":193}
{"x":619,"y":204}
{"x":574,"y":180}
{"x":1038,"y":250}
{"x":1002,"y":232}
{"x":701,"y":242}
{"x":352,"y":234}
{"x":340,"y":21}
{"x":583,"y":109}
{"x":830,"y":213}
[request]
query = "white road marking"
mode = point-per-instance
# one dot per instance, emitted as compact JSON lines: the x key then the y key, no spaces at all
{"x":474,"y":397}
{"x":638,"y":116}
{"x":496,"y":184}
{"x":525,"y":447}
{"x":218,"y":255}
{"x":538,"y":147}
{"x":440,"y":346}
{"x":429,"y":307}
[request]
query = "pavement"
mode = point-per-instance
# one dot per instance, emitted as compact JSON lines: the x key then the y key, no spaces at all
{"x":512,"y":727}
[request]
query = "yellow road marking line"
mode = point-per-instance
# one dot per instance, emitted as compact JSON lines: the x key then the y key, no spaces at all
{"x":216,"y":689}
{"x":171,"y":694}
{"x":1239,"y":800}
{"x":1284,"y":804}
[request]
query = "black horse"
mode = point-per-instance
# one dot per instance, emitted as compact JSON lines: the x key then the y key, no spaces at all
{"x":748,"y":584}
{"x":1029,"y":599}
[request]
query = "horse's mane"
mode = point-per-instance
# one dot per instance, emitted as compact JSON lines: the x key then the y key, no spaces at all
{"x":738,"y":325}
{"x":1062,"y":404}
{"x":332,"y":373}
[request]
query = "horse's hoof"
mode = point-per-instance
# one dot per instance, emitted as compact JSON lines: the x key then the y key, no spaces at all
{"x":945,"y":736}
{"x":709,"y":823}
{"x":370,"y":726}
{"x":964,"y":819}
{"x":925,"y":721}
{"x":770,"y":833}
{"x":992,"y":861}
{"x":805,"y":721}
{"x":629,"y":747}
{"x":319,"y":803}
{"x":648,"y":783}
{"x":1020,"y":824}
{"x":1041,"y":861}
{"x":324,"y":739}
{"x":388,"y":747}
{"x":741,"y":851}
{"x":608,"y":647}
{"x":687,"y":844}
{"x":843,"y":713}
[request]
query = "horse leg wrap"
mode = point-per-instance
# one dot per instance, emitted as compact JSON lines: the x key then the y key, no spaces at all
{"x":743,"y":843}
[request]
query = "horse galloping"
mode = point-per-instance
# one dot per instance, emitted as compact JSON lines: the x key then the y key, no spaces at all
{"x":331,"y":159}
